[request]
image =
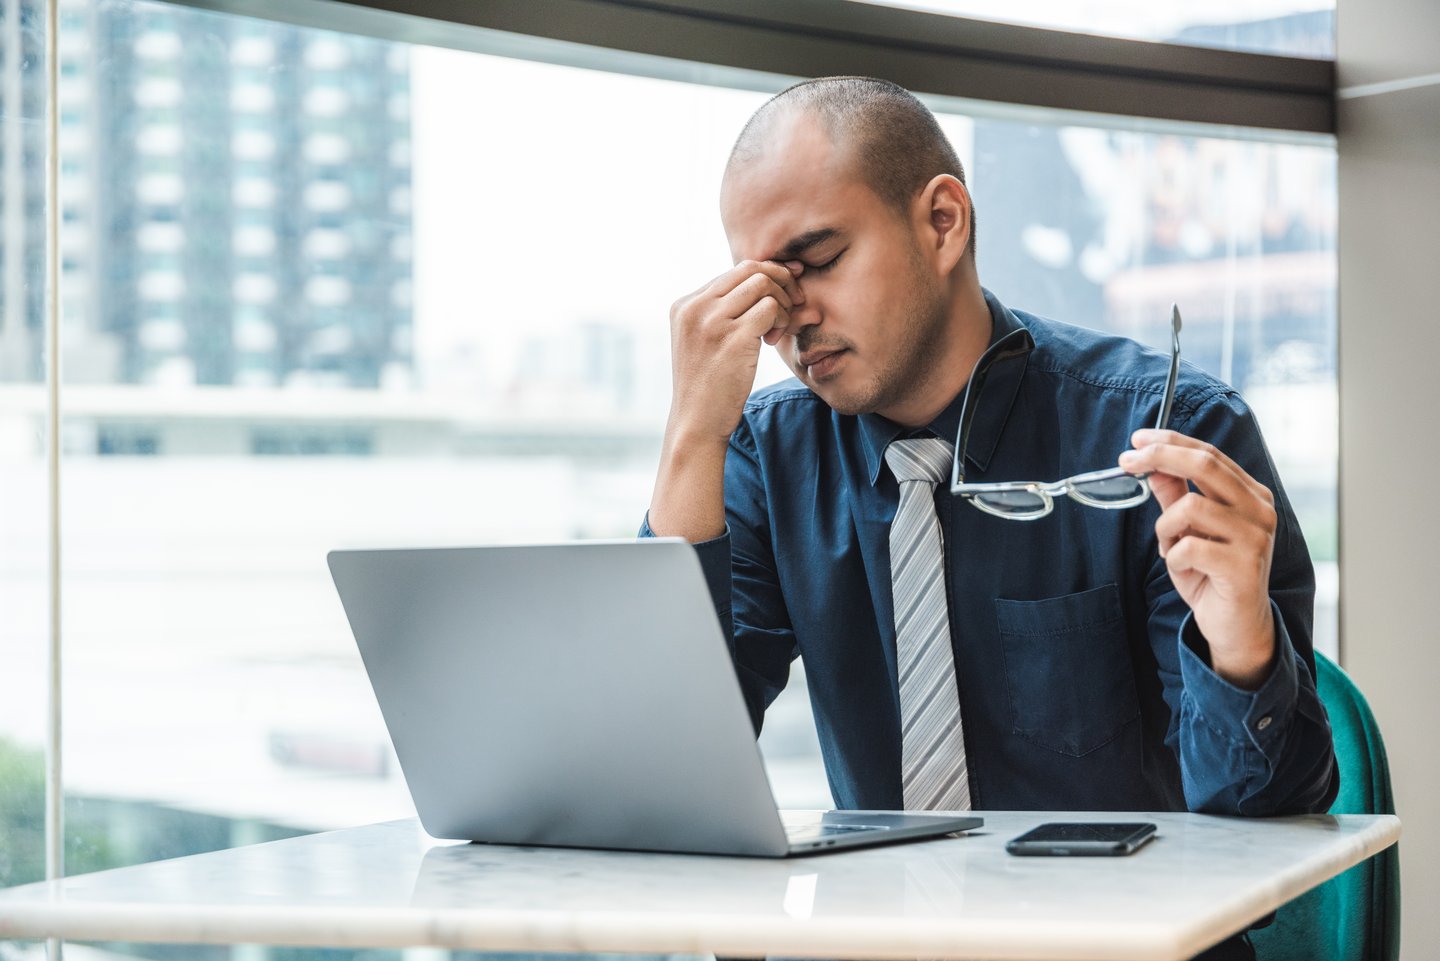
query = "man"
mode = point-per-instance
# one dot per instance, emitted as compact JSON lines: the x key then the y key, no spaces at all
{"x":1156,"y":657}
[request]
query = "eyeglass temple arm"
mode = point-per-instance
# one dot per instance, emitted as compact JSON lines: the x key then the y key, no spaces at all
{"x":1169,"y":399}
{"x":1013,"y":344}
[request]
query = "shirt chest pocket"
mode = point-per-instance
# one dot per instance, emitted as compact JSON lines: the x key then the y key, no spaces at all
{"x":1068,"y":672}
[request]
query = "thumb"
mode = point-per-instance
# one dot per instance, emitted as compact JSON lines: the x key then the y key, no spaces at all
{"x":1167,"y":489}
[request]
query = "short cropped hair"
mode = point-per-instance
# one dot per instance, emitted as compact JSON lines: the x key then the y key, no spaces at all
{"x":894,"y":139}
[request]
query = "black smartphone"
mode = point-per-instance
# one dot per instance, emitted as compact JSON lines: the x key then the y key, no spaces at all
{"x":1060,"y":838}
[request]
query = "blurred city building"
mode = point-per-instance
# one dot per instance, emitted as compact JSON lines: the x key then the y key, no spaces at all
{"x":235,"y":200}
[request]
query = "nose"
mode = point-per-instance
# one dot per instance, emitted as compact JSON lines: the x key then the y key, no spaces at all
{"x":806,"y":314}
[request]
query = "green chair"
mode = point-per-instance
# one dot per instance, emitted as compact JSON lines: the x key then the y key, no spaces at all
{"x":1356,"y":915}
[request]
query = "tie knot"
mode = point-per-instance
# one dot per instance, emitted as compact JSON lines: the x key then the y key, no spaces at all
{"x":921,"y":458}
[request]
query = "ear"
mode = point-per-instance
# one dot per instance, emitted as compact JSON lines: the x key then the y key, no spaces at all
{"x":945,"y":207}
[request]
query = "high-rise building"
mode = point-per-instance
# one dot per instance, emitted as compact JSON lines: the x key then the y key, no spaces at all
{"x":235,"y":199}
{"x":22,"y":190}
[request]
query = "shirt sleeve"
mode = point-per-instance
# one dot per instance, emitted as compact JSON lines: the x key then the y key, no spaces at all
{"x":1262,"y":752}
{"x":740,"y":572}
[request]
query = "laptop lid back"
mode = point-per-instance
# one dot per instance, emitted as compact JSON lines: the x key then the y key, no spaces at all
{"x":577,"y":694}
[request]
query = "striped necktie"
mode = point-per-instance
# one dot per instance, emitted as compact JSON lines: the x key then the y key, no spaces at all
{"x":932,"y":742}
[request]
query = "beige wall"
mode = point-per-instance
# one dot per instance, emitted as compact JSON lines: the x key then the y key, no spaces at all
{"x":1389,"y":163}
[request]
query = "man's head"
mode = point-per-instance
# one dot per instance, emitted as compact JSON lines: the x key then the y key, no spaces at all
{"x":893,"y":143}
{"x":853,"y":178}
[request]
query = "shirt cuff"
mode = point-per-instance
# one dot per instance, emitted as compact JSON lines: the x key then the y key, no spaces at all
{"x":714,"y":556}
{"x":1260,"y":717}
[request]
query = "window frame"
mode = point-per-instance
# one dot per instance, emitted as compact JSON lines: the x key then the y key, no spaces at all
{"x":925,"y":52}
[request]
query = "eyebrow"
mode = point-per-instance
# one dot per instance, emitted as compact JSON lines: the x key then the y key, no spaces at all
{"x":802,"y":243}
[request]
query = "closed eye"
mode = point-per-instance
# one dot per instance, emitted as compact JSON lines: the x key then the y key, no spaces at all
{"x":822,"y":268}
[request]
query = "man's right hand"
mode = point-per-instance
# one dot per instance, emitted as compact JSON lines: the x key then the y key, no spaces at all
{"x":715,"y":336}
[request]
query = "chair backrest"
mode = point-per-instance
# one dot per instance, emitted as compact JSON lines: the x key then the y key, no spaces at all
{"x":1356,"y":915}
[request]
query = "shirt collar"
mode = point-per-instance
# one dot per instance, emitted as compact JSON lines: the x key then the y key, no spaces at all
{"x":877,"y":432}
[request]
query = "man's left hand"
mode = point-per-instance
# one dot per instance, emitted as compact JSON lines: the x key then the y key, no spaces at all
{"x":1217,"y":541}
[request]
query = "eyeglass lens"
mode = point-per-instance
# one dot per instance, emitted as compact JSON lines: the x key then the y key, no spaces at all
{"x":1106,"y":491}
{"x":1017,"y":503}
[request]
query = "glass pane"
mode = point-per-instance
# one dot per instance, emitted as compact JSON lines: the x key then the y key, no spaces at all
{"x":1107,"y":228}
{"x":24,"y":405}
{"x":1296,"y":28}
{"x":238,"y":367}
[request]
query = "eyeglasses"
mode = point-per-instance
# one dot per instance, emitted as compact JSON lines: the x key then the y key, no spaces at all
{"x":1112,"y":488}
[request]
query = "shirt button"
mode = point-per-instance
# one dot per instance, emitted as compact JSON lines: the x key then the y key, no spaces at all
{"x":1263,"y":723}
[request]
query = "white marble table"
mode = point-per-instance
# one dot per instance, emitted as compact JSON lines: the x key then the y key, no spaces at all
{"x":390,"y":885}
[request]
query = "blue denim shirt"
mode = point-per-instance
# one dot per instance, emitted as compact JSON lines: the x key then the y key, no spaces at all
{"x":1084,"y":683}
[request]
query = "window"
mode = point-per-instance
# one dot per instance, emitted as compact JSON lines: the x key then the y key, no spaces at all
{"x":438,"y":348}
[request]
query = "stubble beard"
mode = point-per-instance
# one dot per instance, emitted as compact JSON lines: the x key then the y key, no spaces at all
{"x":918,"y":343}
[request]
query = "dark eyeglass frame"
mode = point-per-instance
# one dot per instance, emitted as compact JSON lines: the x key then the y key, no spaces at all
{"x":1015,"y":344}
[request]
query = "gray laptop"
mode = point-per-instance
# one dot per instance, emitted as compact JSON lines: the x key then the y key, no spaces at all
{"x":578,"y":695}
